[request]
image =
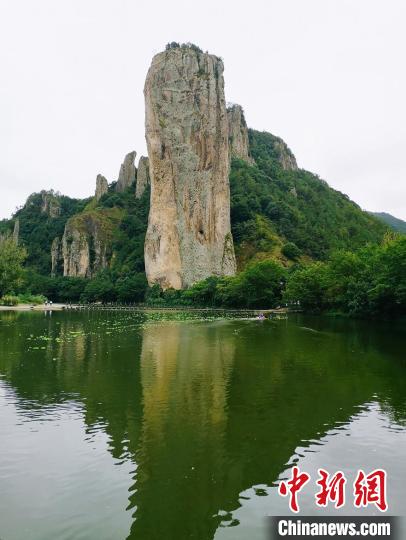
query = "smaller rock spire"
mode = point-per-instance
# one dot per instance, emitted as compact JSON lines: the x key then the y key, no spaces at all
{"x":238,"y":133}
{"x":128,"y":172}
{"x":142,"y":176}
{"x":102,"y":186}
{"x":51,"y":204}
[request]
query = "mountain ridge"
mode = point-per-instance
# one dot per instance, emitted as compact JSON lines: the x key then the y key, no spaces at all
{"x":395,"y":223}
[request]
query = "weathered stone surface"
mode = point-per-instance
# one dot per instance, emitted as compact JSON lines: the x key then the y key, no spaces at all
{"x":238,"y":133}
{"x":128,"y":172}
{"x":102,"y":186}
{"x":189,"y":236}
{"x":143,"y":179}
{"x":284,"y":155}
{"x":50,"y":204}
{"x":293,"y":191}
{"x":86,"y":244}
{"x":16,"y":231}
{"x":56,"y":257}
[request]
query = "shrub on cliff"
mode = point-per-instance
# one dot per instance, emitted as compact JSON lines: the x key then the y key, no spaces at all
{"x":188,"y":45}
{"x":291,"y":251}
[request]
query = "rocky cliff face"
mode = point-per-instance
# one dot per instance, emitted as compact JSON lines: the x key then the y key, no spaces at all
{"x":188,"y":236}
{"x":128,"y":172}
{"x":102,"y":186}
{"x":284,"y":155}
{"x":56,"y":257}
{"x":50,"y":204}
{"x":86,"y":243}
{"x":142,"y":176}
{"x":238,"y":133}
{"x":76,"y":254}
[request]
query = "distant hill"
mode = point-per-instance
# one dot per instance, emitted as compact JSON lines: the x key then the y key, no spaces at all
{"x":395,"y":223}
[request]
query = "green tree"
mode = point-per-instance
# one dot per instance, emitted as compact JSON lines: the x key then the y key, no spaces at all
{"x":202,"y":293}
{"x":12,"y":257}
{"x":99,"y":289}
{"x":291,"y":251}
{"x":387,"y":264}
{"x":260,"y":285}
{"x":132,"y":288}
{"x":308,"y":285}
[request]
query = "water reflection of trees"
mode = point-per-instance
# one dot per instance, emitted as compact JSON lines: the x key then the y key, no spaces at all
{"x":206,"y":410}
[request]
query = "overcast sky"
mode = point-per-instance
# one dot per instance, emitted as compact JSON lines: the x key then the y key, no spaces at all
{"x":328,"y":76}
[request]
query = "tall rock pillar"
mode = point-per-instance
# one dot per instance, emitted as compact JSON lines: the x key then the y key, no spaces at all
{"x":189,"y":236}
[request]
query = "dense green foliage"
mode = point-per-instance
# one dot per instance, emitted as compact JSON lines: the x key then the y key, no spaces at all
{"x":368,"y":282}
{"x":271,"y":206}
{"x":12,"y":257}
{"x":105,"y":287}
{"x":57,"y":289}
{"x":394,"y":223}
{"x":260,"y":285}
{"x":128,"y":244}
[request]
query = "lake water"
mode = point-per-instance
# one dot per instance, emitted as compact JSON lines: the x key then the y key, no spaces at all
{"x":124,"y":425}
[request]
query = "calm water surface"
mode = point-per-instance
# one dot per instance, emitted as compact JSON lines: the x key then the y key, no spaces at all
{"x":121,"y":426}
